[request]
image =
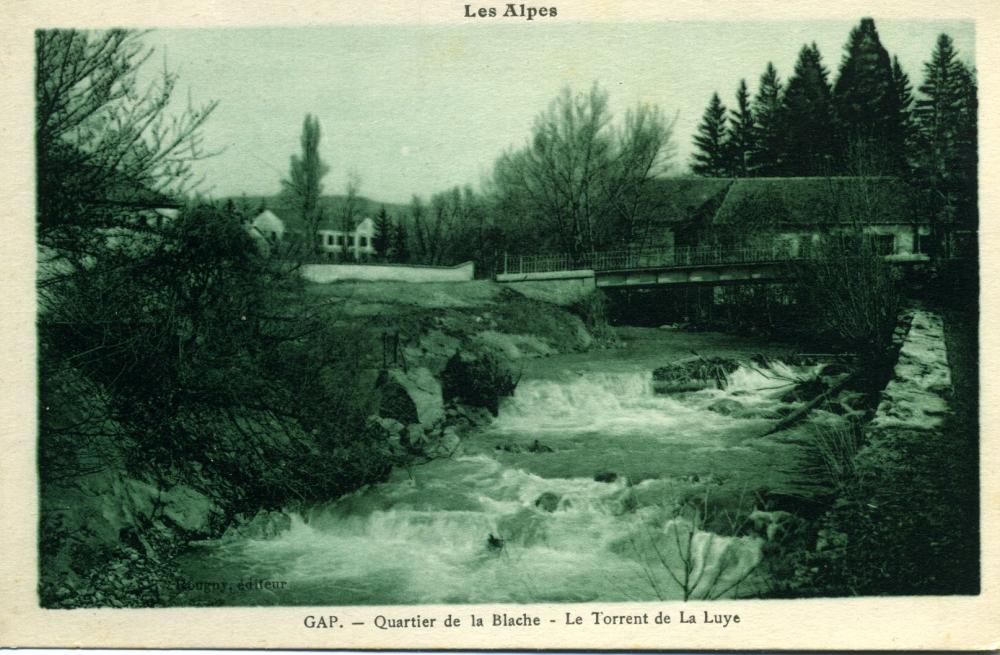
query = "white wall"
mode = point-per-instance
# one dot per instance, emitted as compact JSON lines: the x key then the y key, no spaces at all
{"x":326,"y":273}
{"x":272,"y":227}
{"x":365,"y":229}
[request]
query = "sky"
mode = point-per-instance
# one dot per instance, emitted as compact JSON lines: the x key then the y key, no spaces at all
{"x":420,"y":109}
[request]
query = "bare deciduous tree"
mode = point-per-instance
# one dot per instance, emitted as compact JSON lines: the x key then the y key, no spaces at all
{"x":105,"y":145}
{"x":580,"y":178}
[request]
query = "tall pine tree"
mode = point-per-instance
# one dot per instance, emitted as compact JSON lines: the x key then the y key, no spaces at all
{"x":901,"y":102}
{"x":711,"y":159}
{"x":810,"y":142}
{"x":947,"y":158}
{"x":862,"y":96}
{"x":742,"y":130}
{"x":767,"y":157}
{"x":382,"y":238}
{"x":401,"y":244}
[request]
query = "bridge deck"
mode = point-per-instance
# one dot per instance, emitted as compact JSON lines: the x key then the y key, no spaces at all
{"x":632,"y":260}
{"x":695,"y":265}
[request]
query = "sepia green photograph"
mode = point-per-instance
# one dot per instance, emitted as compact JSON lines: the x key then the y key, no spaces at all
{"x":507,"y":310}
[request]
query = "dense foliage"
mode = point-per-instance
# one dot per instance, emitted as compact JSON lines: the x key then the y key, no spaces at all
{"x":169,"y":340}
{"x":810,"y":125}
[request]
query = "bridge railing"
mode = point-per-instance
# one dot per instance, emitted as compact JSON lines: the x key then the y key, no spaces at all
{"x":612,"y":260}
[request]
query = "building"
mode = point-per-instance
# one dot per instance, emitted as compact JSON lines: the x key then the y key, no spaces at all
{"x":793,"y":212}
{"x":359,"y":241}
{"x":270,"y":228}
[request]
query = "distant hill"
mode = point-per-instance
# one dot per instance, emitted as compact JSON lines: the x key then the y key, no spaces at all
{"x":332,"y":206}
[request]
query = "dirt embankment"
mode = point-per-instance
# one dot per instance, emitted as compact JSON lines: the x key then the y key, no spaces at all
{"x":446,"y":353}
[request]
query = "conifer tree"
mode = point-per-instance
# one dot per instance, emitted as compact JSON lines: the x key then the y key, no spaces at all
{"x":862,"y":95}
{"x":810,"y":144}
{"x":767,"y":157}
{"x":401,"y":243}
{"x":382,"y":238}
{"x":901,"y":102}
{"x":711,"y":158}
{"x":947,"y":135}
{"x":742,"y":130}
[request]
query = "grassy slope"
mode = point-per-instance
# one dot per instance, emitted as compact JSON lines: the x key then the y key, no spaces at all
{"x":461,"y":310}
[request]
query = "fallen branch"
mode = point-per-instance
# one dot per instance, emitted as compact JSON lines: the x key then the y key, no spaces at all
{"x":801,"y":412}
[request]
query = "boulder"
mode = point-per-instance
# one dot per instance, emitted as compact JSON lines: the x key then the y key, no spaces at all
{"x":264,"y":525}
{"x":433,"y":350}
{"x":412,"y":396}
{"x":726,"y":407}
{"x":476,"y":416}
{"x":478,"y":377}
{"x":413,"y":438}
{"x":389,"y":429}
{"x":391,"y":426}
{"x":548,"y":501}
{"x":445,"y":444}
{"x":191,"y":511}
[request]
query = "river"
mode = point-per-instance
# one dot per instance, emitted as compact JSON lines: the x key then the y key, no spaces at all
{"x":512,"y":520}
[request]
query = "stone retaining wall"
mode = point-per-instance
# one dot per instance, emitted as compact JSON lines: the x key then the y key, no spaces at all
{"x":326,"y":273}
{"x":918,"y":394}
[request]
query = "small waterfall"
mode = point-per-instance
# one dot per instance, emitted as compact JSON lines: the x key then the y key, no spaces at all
{"x":515,"y":526}
{"x":619,"y":403}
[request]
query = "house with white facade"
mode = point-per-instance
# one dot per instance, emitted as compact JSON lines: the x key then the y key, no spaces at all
{"x":359,"y":241}
{"x":269,"y":228}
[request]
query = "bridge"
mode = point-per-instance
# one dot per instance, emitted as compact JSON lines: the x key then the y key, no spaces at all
{"x":699,"y":265}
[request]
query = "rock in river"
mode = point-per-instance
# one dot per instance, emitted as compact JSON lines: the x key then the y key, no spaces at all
{"x":726,"y":406}
{"x":548,"y":501}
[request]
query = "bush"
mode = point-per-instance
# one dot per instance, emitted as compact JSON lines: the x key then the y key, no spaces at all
{"x":185,"y":343}
{"x":853,"y":295}
{"x":836,"y":446}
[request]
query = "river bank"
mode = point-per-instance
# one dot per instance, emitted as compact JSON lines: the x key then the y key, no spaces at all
{"x":110,"y":533}
{"x":580,"y":482}
{"x":584,"y":479}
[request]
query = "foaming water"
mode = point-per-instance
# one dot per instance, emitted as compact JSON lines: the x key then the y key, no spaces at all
{"x":485,"y":528}
{"x":625,"y":403}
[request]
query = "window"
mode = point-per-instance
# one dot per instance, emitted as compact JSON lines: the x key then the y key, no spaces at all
{"x":364,"y":241}
{"x":329,"y":239}
{"x":884,"y":244}
{"x":340,"y":239}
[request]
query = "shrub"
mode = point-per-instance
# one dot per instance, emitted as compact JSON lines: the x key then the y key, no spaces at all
{"x":852,"y":293}
{"x":836,"y":446}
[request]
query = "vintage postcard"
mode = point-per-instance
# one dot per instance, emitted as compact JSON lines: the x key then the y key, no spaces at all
{"x":571,"y":325}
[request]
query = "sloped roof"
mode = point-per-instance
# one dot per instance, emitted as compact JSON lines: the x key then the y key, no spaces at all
{"x":818,"y":201}
{"x":681,"y":199}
